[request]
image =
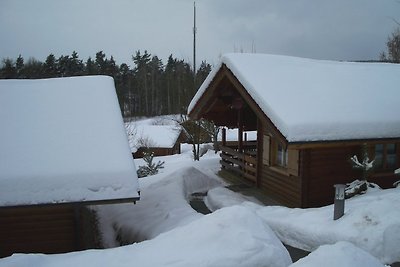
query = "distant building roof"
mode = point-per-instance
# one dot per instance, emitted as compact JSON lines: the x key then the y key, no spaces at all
{"x":143,"y":132}
{"x":314,"y":100}
{"x":63,"y":140}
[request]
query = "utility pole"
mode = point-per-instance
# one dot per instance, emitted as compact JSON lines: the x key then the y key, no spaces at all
{"x":194,"y":43}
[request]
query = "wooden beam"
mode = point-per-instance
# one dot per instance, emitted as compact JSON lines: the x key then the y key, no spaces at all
{"x":223,"y":136}
{"x":92,"y":202}
{"x":260,"y":152}
{"x":240,"y":132}
{"x":341,"y":143}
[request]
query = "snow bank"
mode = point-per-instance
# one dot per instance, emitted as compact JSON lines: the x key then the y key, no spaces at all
{"x":220,"y":197}
{"x":232,"y":236}
{"x":337,"y":95}
{"x":63,"y":140}
{"x":371,"y":222}
{"x":163,"y":206}
{"x":341,"y":254}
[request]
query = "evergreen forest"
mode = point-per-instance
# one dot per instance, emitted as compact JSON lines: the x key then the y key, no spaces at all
{"x":149,"y":88}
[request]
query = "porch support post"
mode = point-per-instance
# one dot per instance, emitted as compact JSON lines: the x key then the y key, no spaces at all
{"x":260,"y":152}
{"x":240,"y":132}
{"x":224,"y":136}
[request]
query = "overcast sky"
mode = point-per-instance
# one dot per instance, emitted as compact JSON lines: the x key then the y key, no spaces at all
{"x":321,"y":29}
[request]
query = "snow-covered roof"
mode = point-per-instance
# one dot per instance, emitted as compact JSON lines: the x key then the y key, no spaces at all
{"x":63,"y":140}
{"x":315,"y":100}
{"x":145,"y":132}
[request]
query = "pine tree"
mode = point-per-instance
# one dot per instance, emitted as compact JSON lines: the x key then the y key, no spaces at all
{"x":90,"y":67}
{"x":8,"y":70}
{"x":50,"y":68}
{"x":151,"y":168}
{"x":19,"y":66}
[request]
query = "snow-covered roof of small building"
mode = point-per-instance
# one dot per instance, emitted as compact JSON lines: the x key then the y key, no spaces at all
{"x":319,"y":100}
{"x":144,"y":132}
{"x":63,"y":140}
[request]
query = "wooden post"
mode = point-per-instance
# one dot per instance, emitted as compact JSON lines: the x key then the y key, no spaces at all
{"x":240,"y":132}
{"x":223,"y":145}
{"x":223,"y":136}
{"x":260,"y":152}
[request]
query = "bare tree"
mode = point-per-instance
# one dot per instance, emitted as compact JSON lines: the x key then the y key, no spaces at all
{"x":393,"y":48}
{"x":197,"y":132}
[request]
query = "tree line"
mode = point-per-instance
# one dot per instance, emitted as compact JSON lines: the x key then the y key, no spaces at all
{"x":149,"y":88}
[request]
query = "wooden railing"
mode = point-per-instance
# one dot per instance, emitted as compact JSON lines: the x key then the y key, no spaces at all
{"x":243,"y":164}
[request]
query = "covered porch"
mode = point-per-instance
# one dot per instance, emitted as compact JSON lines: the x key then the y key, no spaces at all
{"x":230,"y":106}
{"x":239,"y":157}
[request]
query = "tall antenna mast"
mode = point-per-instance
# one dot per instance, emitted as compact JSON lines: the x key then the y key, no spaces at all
{"x":194,"y":39}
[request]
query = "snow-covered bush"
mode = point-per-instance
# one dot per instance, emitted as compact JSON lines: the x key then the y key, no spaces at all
{"x":151,"y":168}
{"x":366,"y":165}
{"x":358,"y":187}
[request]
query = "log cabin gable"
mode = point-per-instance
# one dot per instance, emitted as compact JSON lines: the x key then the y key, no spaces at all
{"x":218,"y":102}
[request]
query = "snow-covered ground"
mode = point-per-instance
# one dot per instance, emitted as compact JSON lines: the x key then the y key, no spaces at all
{"x":238,"y":233}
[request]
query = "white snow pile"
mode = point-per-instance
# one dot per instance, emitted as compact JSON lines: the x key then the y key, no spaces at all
{"x":162,"y":132}
{"x":220,"y":197}
{"x":233,"y":236}
{"x":238,"y":233}
{"x":341,"y":254}
{"x":371,"y":222}
{"x":179,"y":236}
{"x":167,"y":199}
{"x":336,"y":95}
{"x":63,"y":140}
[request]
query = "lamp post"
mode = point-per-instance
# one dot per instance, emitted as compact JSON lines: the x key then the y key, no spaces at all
{"x":338,"y":206}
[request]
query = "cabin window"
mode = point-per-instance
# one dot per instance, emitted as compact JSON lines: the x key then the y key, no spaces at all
{"x":385,"y":156}
{"x":285,"y":160}
{"x":281,"y":157}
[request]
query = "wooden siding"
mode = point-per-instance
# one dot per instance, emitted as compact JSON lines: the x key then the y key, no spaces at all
{"x":158,"y":151}
{"x":284,"y":188}
{"x":33,"y":230}
{"x":47,"y":229}
{"x":325,"y":167}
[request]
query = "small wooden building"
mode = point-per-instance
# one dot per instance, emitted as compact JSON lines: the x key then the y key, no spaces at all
{"x":63,"y":146}
{"x":311,"y":116}
{"x":162,"y":140}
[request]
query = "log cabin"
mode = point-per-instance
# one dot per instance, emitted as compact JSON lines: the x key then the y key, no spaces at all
{"x":311,"y":116}
{"x":161,"y":140}
{"x":63,"y":148}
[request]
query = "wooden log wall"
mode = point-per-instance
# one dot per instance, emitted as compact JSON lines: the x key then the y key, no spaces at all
{"x":37,"y":229}
{"x":324,"y":168}
{"x":284,"y":188}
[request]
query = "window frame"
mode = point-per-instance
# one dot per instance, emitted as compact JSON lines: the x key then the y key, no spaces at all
{"x":282,"y":158}
{"x":384,"y":155}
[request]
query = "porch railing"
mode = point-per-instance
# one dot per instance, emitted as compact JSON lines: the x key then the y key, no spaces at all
{"x":243,"y":164}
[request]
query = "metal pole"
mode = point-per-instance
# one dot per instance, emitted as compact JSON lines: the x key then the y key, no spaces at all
{"x":338,"y":206}
{"x":194,"y":40}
